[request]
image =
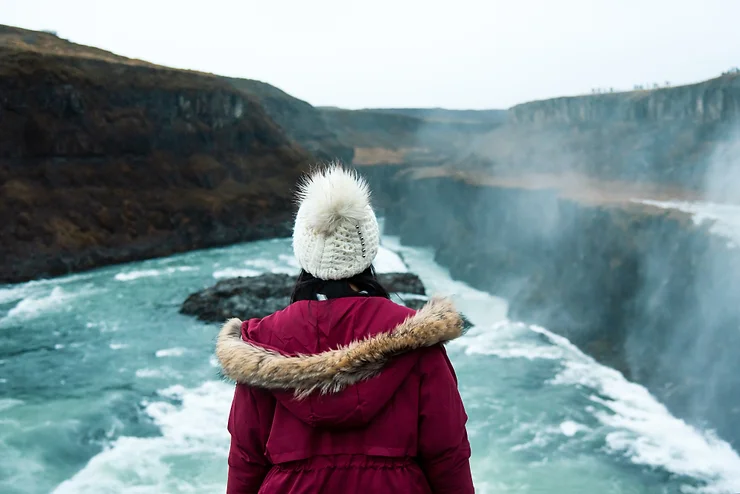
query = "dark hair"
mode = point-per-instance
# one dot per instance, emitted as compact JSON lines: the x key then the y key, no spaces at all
{"x":307,"y":286}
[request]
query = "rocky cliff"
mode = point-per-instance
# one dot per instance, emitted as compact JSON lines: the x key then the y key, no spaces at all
{"x":644,"y":290}
{"x":395,"y":135}
{"x":260,"y":296}
{"x":446,"y":115}
{"x":412,"y":136}
{"x":668,"y":135}
{"x":715,"y":100}
{"x":301,"y":121}
{"x":105,"y":159}
{"x":540,"y":210}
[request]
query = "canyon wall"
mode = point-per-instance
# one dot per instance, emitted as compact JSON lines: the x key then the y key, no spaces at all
{"x":302,"y":122}
{"x":715,"y":100}
{"x":667,"y":135}
{"x":105,"y":159}
{"x":644,"y":290}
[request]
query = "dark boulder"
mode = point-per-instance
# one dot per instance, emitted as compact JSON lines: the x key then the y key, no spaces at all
{"x":260,"y":296}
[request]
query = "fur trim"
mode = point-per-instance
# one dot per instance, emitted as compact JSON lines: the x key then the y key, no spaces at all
{"x":333,"y":370}
{"x":331,"y":196}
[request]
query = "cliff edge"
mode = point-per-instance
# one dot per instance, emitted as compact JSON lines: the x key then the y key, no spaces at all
{"x":105,"y":159}
{"x":680,"y":136}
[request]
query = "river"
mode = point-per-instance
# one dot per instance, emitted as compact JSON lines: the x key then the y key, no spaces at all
{"x":106,"y":388}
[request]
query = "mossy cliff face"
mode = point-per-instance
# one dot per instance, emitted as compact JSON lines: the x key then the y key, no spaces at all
{"x":105,"y":161}
{"x":642,"y":290}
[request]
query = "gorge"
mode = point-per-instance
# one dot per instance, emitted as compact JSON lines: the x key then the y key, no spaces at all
{"x":582,"y":212}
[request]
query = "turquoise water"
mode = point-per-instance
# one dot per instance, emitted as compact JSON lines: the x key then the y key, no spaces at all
{"x":106,"y":388}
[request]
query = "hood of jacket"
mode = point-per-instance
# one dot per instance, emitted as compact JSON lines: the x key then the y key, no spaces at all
{"x":343,"y":386}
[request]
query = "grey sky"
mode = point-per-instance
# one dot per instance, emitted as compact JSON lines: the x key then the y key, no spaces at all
{"x":382,"y":53}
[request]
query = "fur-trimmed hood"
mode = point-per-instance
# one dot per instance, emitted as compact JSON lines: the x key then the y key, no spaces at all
{"x":333,"y":370}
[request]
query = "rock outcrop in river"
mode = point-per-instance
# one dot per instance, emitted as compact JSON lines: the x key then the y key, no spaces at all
{"x":260,"y":296}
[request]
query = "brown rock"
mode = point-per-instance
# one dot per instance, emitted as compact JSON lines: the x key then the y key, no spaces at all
{"x":106,"y":159}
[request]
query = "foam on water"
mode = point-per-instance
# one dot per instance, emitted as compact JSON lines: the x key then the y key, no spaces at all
{"x":135,"y":275}
{"x":104,"y":326}
{"x":20,"y":470}
{"x":289,"y":260}
{"x":34,"y":305}
{"x":149,"y":273}
{"x":17,"y":292}
{"x":644,"y":431}
{"x":8,"y":403}
{"x":272,"y":265}
{"x":170,"y":352}
{"x":148,"y":373}
{"x":190,"y":453}
{"x":480,"y":308}
{"x":388,"y":261}
{"x":506,"y":339}
{"x":235,"y":273}
{"x":13,"y":293}
{"x":570,"y":428}
{"x":193,"y":432}
{"x":640,"y":427}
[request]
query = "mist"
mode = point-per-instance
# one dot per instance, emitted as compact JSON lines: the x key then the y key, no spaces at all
{"x":697,"y":367}
{"x":591,"y":229}
{"x":722,"y":181}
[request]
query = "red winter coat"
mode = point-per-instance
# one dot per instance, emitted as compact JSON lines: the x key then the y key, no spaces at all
{"x":350,"y":395}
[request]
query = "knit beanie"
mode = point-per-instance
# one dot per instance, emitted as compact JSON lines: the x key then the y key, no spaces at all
{"x":336,"y":234}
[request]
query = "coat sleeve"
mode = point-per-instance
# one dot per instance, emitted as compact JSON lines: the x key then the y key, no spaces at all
{"x":444,"y":449}
{"x":250,"y":421}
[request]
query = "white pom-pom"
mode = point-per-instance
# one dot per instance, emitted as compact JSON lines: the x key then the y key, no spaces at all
{"x":331,"y":196}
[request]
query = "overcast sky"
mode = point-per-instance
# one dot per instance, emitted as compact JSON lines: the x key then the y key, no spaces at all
{"x":382,"y":53}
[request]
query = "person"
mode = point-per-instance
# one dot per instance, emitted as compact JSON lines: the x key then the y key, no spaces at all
{"x":344,"y":391}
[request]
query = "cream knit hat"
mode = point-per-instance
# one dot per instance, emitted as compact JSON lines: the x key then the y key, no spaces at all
{"x":336,"y":234}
